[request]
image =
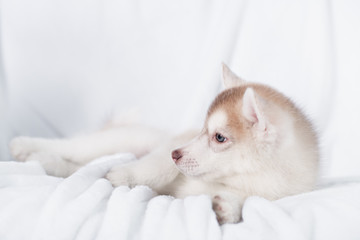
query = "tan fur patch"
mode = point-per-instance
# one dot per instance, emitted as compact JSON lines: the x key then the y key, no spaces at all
{"x":230,"y":101}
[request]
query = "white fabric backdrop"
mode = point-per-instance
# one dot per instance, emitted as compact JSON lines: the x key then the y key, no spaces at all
{"x":70,"y":65}
{"x":4,"y":130}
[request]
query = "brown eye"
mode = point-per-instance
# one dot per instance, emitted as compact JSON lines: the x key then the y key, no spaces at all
{"x":220,"y":138}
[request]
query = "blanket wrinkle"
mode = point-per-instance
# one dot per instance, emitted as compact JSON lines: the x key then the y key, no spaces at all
{"x":85,"y":206}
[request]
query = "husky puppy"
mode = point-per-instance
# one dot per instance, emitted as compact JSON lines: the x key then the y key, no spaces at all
{"x":255,"y":141}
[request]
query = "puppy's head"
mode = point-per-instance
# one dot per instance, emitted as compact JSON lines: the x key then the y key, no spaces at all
{"x":237,"y":134}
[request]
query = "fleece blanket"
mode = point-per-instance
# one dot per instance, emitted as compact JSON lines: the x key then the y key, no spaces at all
{"x":85,"y":206}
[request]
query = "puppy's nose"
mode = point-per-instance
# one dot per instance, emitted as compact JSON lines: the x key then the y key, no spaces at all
{"x":176,"y":155}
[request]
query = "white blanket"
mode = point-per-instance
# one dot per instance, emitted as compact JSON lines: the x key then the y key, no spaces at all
{"x":86,"y":206}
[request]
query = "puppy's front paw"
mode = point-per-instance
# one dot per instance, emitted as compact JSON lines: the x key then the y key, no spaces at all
{"x":22,"y":147}
{"x":226,"y":211}
{"x":120,"y":176}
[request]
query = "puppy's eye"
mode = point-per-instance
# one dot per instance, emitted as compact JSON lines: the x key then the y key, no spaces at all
{"x":220,"y":138}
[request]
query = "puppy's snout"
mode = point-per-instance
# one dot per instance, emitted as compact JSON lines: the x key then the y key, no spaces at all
{"x":176,"y":155}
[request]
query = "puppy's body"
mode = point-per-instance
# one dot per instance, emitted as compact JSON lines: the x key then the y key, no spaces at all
{"x":254,"y":142}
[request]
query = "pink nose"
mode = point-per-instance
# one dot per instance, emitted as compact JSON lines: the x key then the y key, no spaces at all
{"x":176,"y":155}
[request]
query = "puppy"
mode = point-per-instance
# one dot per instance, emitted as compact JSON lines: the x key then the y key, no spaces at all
{"x":255,"y":141}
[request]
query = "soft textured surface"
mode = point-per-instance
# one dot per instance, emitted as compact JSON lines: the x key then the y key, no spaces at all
{"x":67,"y":66}
{"x":85,"y":206}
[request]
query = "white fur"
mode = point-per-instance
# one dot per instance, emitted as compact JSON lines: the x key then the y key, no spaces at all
{"x":216,"y":120}
{"x":273,"y":159}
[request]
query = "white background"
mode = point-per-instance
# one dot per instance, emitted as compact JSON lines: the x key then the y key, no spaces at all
{"x":68,"y":66}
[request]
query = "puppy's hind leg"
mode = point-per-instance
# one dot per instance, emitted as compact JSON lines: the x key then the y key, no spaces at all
{"x":78,"y":151}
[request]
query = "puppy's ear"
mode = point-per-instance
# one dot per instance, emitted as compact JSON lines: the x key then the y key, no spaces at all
{"x":252,"y":109}
{"x":229,"y":78}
